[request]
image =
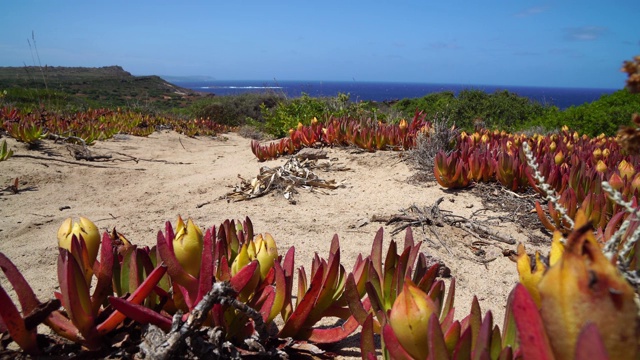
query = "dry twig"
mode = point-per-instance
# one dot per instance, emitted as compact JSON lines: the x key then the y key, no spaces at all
{"x":286,"y":179}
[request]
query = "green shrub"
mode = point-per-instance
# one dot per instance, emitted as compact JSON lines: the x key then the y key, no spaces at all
{"x":289,"y":112}
{"x":234,"y":110}
{"x":500,"y":110}
{"x":604,"y":115}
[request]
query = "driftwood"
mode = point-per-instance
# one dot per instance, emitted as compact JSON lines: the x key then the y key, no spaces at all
{"x":286,"y":179}
{"x":433,"y":215}
{"x":311,"y":154}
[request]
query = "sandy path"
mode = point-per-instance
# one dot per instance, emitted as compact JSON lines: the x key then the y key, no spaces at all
{"x":179,"y":173}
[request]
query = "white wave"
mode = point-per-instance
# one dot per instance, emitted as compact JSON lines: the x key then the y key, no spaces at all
{"x":241,"y":87}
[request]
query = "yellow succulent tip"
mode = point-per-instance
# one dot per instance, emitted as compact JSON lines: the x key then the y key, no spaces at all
{"x":529,"y":277}
{"x":83,"y":230}
{"x":187,"y":246}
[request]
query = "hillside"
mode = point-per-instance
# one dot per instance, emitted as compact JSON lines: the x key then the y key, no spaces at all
{"x":96,"y":87}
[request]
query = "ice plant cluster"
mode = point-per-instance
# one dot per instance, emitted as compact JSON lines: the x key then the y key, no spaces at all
{"x":565,"y":163}
{"x":95,"y":124}
{"x":365,"y":134}
{"x":561,"y":308}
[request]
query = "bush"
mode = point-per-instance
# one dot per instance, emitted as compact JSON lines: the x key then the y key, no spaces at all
{"x":234,"y":110}
{"x":604,"y":115}
{"x":500,"y":110}
{"x":288,"y":113}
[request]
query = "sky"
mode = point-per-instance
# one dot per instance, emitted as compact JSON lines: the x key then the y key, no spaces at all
{"x":516,"y":43}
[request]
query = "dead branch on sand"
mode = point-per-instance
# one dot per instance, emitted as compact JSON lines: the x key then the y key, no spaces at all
{"x":295,"y":173}
{"x":433,"y":215}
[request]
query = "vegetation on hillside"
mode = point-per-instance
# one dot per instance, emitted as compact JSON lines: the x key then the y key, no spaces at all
{"x":79,"y":88}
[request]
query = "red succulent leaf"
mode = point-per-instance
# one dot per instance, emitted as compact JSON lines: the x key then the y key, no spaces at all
{"x":437,"y":346}
{"x":140,"y":314}
{"x":509,"y":330}
{"x":333,"y":334}
{"x":137,"y":297}
{"x":353,"y":300}
{"x":287,"y":267}
{"x":534,"y":343}
{"x":376,"y":253}
{"x":26,"y":296}
{"x":448,"y":302}
{"x":367,"y":342}
{"x":104,"y":273}
{"x":244,"y":277}
{"x":464,"y":345}
{"x":279,"y":301}
{"x":13,"y":322}
{"x":452,"y":336}
{"x":175,"y":271}
{"x":206,"y":266}
{"x":483,"y":341}
{"x":299,"y":316}
{"x":75,"y":295}
{"x":543,"y":218}
{"x":393,"y":345}
{"x":475,"y":321}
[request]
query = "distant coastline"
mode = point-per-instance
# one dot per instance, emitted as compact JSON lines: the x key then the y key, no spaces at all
{"x":387,"y":91}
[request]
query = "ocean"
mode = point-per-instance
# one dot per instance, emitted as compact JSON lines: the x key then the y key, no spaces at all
{"x":384,"y":91}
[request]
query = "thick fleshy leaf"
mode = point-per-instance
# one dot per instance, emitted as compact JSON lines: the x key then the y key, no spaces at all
{"x":288,"y":268}
{"x":280,"y":292}
{"x":475,"y":321}
{"x":299,"y":316}
{"x":175,"y":271}
{"x":534,"y":343}
{"x":436,"y":293}
{"x":140,"y":314}
{"x":426,"y":282}
{"x":483,"y":342}
{"x":496,"y":343}
{"x":506,"y":354}
{"x":244,"y":277}
{"x":334,"y":334}
{"x":448,"y":302}
{"x":267,"y":303}
{"x":408,"y":238}
{"x":393,"y":346}
{"x":14,"y":323}
{"x":26,"y":296}
{"x":353,"y":300}
{"x":137,"y":297}
{"x":376,"y":253}
{"x":463,"y":348}
{"x":437,"y":347}
{"x":75,"y":294}
{"x":367,"y":341}
{"x":543,"y":218}
{"x":452,"y":337}
{"x":104,"y":273}
{"x":206,"y":265}
{"x":590,"y":345}
{"x":330,"y":282}
{"x":509,"y":330}
{"x":302,"y":285}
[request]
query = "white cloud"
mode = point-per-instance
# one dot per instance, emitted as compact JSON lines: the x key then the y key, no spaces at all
{"x":531,"y":11}
{"x":584,"y":33}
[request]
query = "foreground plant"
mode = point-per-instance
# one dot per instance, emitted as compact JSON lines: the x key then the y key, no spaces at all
{"x":4,"y":152}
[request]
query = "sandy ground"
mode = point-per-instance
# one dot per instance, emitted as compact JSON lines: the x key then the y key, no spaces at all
{"x":175,"y":174}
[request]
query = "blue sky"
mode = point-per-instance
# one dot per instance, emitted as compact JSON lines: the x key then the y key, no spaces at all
{"x":526,"y":43}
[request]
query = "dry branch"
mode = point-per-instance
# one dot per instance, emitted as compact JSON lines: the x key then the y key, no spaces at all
{"x":433,"y":215}
{"x":285,"y":179}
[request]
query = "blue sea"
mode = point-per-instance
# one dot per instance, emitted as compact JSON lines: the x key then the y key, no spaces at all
{"x":385,"y":91}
